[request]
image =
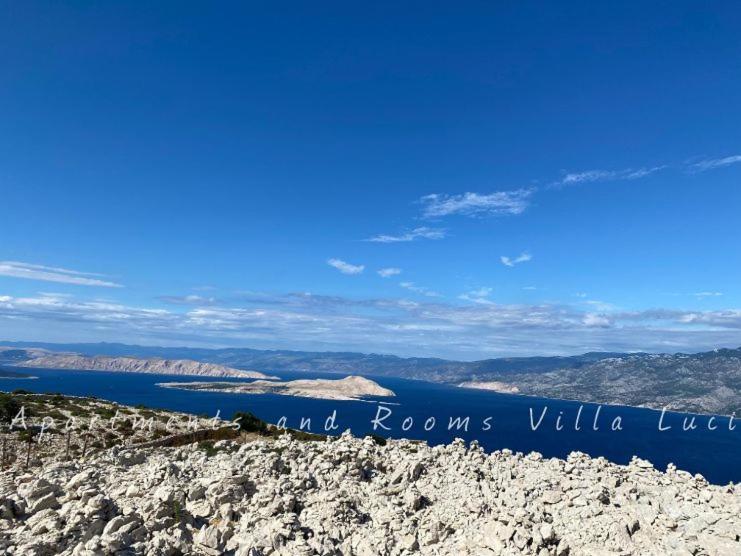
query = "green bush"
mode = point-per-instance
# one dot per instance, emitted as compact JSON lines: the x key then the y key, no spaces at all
{"x":379,"y":440}
{"x":250,"y":423}
{"x":208,"y":448}
{"x":9,"y":408}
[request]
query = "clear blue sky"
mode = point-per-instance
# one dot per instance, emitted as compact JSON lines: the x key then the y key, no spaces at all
{"x":547,"y":177}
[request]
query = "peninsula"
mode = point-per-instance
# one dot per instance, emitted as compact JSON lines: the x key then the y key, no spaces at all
{"x":179,"y":367}
{"x":493,"y":385}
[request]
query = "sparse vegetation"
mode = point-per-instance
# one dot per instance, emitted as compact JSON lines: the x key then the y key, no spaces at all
{"x":83,"y":426}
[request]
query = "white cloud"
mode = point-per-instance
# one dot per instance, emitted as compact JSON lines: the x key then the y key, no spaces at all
{"x":590,"y":175}
{"x":51,"y":274}
{"x":346,"y":268}
{"x":411,"y":286}
{"x":476,"y":204}
{"x":480,"y":295}
{"x":593,"y":319}
{"x":481,"y":292}
{"x":422,"y":232}
{"x":702,"y":295}
{"x":713,"y":163}
{"x":388,"y":272}
{"x":522,"y":258}
{"x":641,"y":172}
{"x":606,"y":175}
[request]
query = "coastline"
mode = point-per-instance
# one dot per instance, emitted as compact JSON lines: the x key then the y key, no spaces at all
{"x":583,"y":402}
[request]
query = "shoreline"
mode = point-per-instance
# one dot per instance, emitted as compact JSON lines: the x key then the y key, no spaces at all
{"x":605,"y":404}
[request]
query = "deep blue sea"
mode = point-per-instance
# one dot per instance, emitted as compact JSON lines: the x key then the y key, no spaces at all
{"x":716,"y":454}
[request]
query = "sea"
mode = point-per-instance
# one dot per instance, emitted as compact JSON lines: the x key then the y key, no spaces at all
{"x":438,"y":413}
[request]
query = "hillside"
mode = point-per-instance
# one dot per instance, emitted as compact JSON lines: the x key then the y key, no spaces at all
{"x":703,"y":383}
{"x":176,"y":367}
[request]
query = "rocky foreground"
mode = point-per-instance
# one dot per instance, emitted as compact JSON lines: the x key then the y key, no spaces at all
{"x":349,"y":496}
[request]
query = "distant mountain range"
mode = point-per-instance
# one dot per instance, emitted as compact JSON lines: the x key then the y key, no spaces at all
{"x":708,"y":382}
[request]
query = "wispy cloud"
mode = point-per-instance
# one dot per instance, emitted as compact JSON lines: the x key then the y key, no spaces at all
{"x":411,"y":286}
{"x":522,"y":258}
{"x":479,"y":295}
{"x":346,"y":268}
{"x":187,"y":299}
{"x":388,"y":272}
{"x":53,"y":274}
{"x":608,"y":175}
{"x":422,"y":232}
{"x":712,"y":163}
{"x":703,"y":295}
{"x":476,"y":204}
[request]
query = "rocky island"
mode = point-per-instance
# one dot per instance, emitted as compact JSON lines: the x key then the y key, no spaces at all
{"x":348,"y":388}
{"x":179,"y":367}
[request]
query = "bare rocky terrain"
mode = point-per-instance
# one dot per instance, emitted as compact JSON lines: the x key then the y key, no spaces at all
{"x":348,"y":496}
{"x":348,"y":388}
{"x":178,"y":367}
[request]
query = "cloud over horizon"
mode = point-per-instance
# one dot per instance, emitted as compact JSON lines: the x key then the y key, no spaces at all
{"x":400,"y":326}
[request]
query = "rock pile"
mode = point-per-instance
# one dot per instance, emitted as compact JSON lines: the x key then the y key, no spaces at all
{"x":354,"y":497}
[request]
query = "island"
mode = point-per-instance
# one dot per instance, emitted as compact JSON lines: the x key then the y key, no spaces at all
{"x":179,"y":367}
{"x":9,"y":374}
{"x":348,"y":388}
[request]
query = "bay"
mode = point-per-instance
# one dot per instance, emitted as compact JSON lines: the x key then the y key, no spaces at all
{"x":496,"y":421}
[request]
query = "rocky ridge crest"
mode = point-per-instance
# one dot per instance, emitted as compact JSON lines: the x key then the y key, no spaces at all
{"x":356,"y":497}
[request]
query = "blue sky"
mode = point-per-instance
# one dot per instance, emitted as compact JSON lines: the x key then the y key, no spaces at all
{"x":528,"y":178}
